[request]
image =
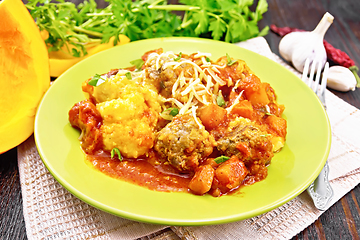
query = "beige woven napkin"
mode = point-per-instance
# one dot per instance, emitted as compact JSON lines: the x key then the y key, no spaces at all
{"x":51,"y":212}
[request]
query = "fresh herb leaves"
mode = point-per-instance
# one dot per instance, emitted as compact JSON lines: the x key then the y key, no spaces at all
{"x":221,"y":159}
{"x":229,"y":61}
{"x":220,"y":101}
{"x":178,"y":57}
{"x":173,"y":111}
{"x":96,"y":80}
{"x":128,"y":75}
{"x":265,"y":135}
{"x":117,"y":152}
{"x":69,"y":26}
{"x":138,"y":63}
{"x":169,"y":113}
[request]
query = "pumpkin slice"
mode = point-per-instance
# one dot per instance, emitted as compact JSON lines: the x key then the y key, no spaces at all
{"x":24,"y":73}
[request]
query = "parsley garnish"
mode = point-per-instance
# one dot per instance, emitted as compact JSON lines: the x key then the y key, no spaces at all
{"x":171,"y":111}
{"x":96,"y":80}
{"x":174,"y":111}
{"x":265,"y":135}
{"x":221,"y":159}
{"x":207,"y":59}
{"x":116,"y":151}
{"x":128,"y":75}
{"x":220,"y":101}
{"x":229,"y":61}
{"x":138,"y":63}
{"x":178,"y":57}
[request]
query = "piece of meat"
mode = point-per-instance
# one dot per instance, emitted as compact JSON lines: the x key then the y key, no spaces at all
{"x":246,"y":140}
{"x":162,"y":80}
{"x":84,"y":116}
{"x":183,"y":143}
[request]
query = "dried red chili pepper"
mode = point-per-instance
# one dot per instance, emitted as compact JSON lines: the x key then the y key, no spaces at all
{"x":284,"y":30}
{"x":338,"y":56}
{"x":333,"y":54}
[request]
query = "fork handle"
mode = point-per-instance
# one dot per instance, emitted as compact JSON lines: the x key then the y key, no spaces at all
{"x":320,"y":190}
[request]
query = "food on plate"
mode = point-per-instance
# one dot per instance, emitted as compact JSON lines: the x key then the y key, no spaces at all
{"x":24,"y":73}
{"x":179,"y":122}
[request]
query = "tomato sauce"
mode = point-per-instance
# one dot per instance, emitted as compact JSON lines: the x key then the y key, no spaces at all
{"x":146,"y":172}
{"x":160,"y":176}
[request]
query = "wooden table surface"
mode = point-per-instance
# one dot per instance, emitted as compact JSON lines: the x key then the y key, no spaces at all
{"x":342,"y":220}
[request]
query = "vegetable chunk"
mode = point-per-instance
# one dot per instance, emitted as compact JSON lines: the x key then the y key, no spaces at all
{"x":243,"y":109}
{"x":212,"y":115}
{"x":202,"y":180}
{"x":277,"y":124}
{"x":231,"y":173}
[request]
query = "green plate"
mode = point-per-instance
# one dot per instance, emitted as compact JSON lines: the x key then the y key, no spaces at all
{"x":290,"y":173}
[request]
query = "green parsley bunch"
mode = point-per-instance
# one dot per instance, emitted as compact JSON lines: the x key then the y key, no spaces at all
{"x":73,"y":25}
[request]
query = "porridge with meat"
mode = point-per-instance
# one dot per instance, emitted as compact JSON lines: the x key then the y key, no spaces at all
{"x":178,"y":122}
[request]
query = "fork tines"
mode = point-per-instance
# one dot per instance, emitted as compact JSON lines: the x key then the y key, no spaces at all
{"x":314,"y":85}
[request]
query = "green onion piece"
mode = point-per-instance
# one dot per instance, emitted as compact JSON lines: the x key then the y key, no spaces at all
{"x":169,"y":113}
{"x":173,"y":111}
{"x":207,"y":59}
{"x":128,"y":75}
{"x":116,"y":151}
{"x":265,"y":135}
{"x":221,"y":159}
{"x":138,"y":63}
{"x":96,"y":80}
{"x":179,"y":57}
{"x":229,"y":61}
{"x":220,"y":101}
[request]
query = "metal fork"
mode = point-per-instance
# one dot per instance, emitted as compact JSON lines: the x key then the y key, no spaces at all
{"x":319,"y":190}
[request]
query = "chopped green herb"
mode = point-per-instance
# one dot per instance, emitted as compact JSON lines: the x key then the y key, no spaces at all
{"x":221,"y":159}
{"x":172,"y":111}
{"x":138,"y":63}
{"x":116,"y":151}
{"x":128,"y":75}
{"x":207,"y":59}
{"x":169,"y":113}
{"x":96,"y":80}
{"x":265,"y":135}
{"x":267,"y":113}
{"x":179,"y":57}
{"x":220,"y":101}
{"x":93,"y":82}
{"x":229,"y":61}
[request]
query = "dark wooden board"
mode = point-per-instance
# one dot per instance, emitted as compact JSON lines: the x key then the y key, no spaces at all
{"x":342,"y":220}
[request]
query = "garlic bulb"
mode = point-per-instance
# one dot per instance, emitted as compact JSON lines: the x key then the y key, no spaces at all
{"x":341,"y":79}
{"x":296,"y":47}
